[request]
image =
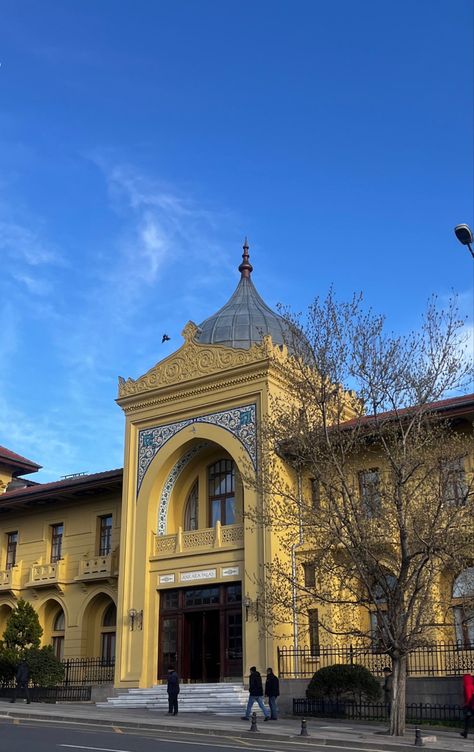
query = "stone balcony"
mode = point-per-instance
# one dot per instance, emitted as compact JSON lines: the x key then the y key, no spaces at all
{"x":183,"y":543}
{"x":10,"y":579}
{"x":97,"y":568}
{"x":47,"y":575}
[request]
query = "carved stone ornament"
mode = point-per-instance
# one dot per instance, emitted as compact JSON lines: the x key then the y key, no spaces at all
{"x":194,"y":360}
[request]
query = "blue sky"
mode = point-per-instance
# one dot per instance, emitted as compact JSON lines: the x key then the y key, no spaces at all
{"x":141,"y":141}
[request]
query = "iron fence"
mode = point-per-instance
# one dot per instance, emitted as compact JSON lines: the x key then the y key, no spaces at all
{"x":51,"y":694}
{"x":439,"y":659}
{"x":91,"y":671}
{"x":377,"y":711}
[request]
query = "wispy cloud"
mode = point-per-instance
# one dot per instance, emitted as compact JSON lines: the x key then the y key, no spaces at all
{"x":23,"y":244}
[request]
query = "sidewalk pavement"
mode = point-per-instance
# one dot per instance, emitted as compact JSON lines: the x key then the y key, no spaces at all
{"x":320,"y":730}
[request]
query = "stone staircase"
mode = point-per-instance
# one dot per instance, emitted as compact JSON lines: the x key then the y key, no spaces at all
{"x":220,"y":699}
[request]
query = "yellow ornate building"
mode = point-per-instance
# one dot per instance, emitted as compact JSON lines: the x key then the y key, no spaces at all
{"x":155,"y":564}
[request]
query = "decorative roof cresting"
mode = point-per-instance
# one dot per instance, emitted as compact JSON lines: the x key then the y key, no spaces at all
{"x":245,"y":319}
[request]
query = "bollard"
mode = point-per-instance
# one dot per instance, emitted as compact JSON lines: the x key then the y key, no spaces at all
{"x":304,"y":728}
{"x":253,"y":727}
{"x":418,"y":739}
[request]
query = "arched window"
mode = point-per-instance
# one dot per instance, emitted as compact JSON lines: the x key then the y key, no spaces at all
{"x":191,"y":509}
{"x":109,"y":621}
{"x":57,"y":636}
{"x":221,"y":480}
{"x":463,"y":609}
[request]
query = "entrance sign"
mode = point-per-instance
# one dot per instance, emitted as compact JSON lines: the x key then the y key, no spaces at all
{"x":229,"y":571}
{"x":164,"y":578}
{"x":203,"y":574}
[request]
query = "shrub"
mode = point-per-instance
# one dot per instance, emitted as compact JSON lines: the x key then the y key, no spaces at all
{"x":23,"y":630}
{"x":8,"y":663}
{"x":342,"y":682}
{"x":45,"y":669}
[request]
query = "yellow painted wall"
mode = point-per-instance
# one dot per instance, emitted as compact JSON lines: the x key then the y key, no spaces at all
{"x":83,"y":598}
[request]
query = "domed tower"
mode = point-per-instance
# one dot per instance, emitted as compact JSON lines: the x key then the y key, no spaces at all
{"x":189,"y":562}
{"x":245,"y":318}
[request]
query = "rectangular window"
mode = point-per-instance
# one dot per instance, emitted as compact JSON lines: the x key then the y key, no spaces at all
{"x":369,"y":488}
{"x":309,"y":575}
{"x":56,"y":542}
{"x":12,"y":541}
{"x":313,"y":624}
{"x":107,"y":648}
{"x":58,"y":646}
{"x":453,"y":482}
{"x":315,"y":494}
{"x":377,"y":630}
{"x":105,"y":535}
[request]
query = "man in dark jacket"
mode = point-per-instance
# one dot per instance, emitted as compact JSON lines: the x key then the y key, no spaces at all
{"x":22,"y":680}
{"x":272,"y":691}
{"x":255,"y":694}
{"x":173,"y":691}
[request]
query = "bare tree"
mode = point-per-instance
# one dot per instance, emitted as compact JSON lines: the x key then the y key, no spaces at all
{"x":388,"y":513}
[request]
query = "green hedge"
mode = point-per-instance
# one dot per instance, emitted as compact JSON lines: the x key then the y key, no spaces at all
{"x":342,"y":681}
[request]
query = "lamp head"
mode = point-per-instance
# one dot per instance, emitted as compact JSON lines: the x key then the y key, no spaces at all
{"x":464,"y":234}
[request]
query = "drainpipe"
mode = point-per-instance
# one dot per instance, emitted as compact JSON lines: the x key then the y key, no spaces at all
{"x":293,"y":572}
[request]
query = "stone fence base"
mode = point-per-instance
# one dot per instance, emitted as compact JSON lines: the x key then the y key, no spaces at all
{"x":433,"y":690}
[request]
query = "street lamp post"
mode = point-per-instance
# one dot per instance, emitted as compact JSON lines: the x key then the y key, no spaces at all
{"x":465,"y":236}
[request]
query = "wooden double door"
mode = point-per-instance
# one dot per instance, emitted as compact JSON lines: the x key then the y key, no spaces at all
{"x":200,"y":632}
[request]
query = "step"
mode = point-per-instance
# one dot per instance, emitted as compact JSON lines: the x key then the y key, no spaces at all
{"x":222,"y":698}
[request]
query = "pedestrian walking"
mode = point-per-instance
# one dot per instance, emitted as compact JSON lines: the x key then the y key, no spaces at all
{"x":173,"y":691}
{"x":272,"y":691}
{"x":387,"y":689}
{"x":468,"y":709}
{"x":255,"y":694}
{"x":21,"y":681}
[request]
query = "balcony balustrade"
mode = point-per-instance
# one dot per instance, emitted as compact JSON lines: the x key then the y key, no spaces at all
{"x":196,"y":541}
{"x":97,"y":568}
{"x":10,"y":579}
{"x":45,"y":575}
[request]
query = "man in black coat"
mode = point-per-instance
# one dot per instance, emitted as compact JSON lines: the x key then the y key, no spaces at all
{"x":22,"y":680}
{"x":255,"y":695}
{"x":272,"y":691}
{"x":173,"y":691}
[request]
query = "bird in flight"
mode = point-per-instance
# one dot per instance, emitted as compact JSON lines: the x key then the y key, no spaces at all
{"x":165,"y":338}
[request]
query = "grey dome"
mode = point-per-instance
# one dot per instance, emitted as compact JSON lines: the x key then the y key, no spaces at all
{"x":245,"y":319}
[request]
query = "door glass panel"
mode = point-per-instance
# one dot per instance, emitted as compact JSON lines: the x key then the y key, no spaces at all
{"x":169,"y":600}
{"x":201,"y":596}
{"x":234,"y":636}
{"x":170,"y":641}
{"x":234,"y":593}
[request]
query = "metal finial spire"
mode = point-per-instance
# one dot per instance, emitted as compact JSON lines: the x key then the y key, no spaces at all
{"x":245,"y":267}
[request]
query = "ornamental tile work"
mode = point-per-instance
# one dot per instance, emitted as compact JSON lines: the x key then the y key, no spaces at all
{"x":239,"y":421}
{"x":169,"y":484}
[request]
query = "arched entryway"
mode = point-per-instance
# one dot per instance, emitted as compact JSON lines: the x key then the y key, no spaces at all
{"x":200,"y":618}
{"x":52,"y":618}
{"x":99,"y":626}
{"x":5,"y":611}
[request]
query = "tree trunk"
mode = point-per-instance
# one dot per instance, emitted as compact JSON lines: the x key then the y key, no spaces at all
{"x":397,"y":710}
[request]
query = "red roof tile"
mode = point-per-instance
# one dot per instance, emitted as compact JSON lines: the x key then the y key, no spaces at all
{"x":9,"y":457}
{"x":64,"y":484}
{"x":448,"y":405}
